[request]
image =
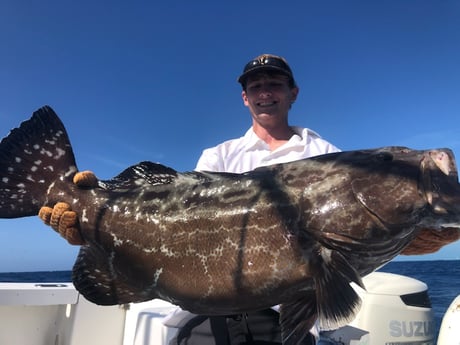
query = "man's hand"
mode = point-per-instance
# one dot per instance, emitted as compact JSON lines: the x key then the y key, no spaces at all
{"x":61,"y":218}
{"x":64,"y":221}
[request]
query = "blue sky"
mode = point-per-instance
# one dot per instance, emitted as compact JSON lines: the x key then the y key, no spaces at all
{"x":156,"y":80}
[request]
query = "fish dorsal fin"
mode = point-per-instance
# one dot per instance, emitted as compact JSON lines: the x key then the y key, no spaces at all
{"x":144,"y":172}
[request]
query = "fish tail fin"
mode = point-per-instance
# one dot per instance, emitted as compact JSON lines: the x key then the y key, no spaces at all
{"x":337,"y":301}
{"x":33,"y":157}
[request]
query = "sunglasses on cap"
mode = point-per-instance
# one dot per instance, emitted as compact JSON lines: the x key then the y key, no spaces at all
{"x":266,"y":62}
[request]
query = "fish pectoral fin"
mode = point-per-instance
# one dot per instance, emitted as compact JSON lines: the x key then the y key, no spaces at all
{"x":337,"y":301}
{"x":297,"y":318}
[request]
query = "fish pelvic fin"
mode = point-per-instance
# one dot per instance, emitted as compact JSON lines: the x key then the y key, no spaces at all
{"x":297,"y":318}
{"x":32,"y":158}
{"x":337,"y":301}
{"x":333,"y":302}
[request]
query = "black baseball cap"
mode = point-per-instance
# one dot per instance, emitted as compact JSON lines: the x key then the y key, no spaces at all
{"x":266,"y":62}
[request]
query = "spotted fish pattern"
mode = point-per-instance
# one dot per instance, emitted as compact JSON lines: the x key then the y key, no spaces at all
{"x":293,"y":234}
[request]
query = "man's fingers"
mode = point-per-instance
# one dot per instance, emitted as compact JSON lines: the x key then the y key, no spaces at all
{"x":67,"y":220}
{"x":45,"y":214}
{"x":72,"y":235}
{"x":69,"y":228}
{"x":56,"y":215}
{"x":85,"y":179}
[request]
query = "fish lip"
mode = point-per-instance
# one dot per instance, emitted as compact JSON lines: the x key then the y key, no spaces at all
{"x":442,"y":161}
{"x":440,"y":183}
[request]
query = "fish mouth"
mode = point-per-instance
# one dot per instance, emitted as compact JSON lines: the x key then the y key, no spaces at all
{"x":441,"y":186}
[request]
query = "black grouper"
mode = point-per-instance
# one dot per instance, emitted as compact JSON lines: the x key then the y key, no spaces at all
{"x":293,"y":234}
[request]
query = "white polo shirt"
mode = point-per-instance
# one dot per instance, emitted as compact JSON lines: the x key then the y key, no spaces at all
{"x":249,"y":152}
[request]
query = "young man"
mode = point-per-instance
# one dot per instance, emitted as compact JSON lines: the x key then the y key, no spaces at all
{"x":269,"y":90}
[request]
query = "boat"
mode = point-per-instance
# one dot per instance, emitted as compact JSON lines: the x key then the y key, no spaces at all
{"x":396,"y":310}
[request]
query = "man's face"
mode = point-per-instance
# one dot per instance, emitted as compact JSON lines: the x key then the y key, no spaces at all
{"x":269,"y":98}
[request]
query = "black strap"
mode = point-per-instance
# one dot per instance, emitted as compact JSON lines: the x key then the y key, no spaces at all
{"x":249,"y":337}
{"x":186,"y":330}
{"x":218,"y":328}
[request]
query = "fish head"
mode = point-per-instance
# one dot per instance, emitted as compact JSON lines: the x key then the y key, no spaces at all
{"x":411,"y":189}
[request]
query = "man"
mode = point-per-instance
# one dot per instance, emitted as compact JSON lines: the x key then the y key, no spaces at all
{"x":269,"y":90}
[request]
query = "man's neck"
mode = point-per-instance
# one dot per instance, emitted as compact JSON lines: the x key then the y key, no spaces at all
{"x":275,"y":137}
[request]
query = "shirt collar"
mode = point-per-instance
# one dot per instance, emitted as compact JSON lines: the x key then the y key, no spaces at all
{"x":253,"y":142}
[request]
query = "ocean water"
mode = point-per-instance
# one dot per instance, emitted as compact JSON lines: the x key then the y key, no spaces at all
{"x":442,"y":278}
{"x":36,"y":277}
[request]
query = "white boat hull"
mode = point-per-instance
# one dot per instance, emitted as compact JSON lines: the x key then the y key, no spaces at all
{"x":56,"y":314}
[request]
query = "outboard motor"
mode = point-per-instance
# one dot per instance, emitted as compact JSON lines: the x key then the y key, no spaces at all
{"x":395,"y":310}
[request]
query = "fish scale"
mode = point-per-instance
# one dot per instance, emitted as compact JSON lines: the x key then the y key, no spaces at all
{"x":294,"y":234}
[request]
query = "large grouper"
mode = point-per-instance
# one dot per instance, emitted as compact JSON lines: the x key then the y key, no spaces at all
{"x":294,"y":234}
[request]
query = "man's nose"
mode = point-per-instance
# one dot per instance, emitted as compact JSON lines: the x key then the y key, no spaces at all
{"x":265,"y":90}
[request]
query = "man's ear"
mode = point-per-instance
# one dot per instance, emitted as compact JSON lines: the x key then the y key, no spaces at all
{"x":244,"y":97}
{"x":294,"y":93}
